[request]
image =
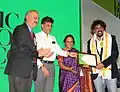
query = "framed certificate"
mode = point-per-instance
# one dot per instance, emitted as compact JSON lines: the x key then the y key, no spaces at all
{"x":87,"y":59}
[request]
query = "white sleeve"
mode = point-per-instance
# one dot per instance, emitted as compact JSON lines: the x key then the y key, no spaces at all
{"x":59,"y":51}
{"x":39,"y":63}
{"x":38,"y":41}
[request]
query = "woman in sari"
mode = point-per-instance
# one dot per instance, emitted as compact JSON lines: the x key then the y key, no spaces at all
{"x":69,"y":69}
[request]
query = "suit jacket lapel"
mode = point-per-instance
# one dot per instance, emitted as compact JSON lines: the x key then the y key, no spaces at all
{"x":28,"y":34}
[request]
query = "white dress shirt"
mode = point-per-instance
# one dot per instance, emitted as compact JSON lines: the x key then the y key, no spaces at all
{"x":48,"y":41}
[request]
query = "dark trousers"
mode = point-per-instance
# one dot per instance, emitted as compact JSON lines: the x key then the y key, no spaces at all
{"x":18,"y":84}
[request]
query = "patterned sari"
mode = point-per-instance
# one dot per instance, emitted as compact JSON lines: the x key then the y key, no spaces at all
{"x":69,"y":81}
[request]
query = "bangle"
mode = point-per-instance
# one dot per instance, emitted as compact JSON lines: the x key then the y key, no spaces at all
{"x":70,"y":69}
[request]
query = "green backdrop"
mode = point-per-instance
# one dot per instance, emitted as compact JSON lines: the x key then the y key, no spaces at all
{"x":66,"y":14}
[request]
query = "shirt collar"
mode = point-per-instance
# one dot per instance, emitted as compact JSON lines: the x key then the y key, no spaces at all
{"x":45,"y":34}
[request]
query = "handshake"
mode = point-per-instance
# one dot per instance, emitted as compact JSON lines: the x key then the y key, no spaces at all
{"x":72,"y":54}
{"x":48,"y":53}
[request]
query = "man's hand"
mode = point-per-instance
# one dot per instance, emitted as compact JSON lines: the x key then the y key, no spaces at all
{"x":49,"y":54}
{"x":45,"y":71}
{"x":73,"y":54}
{"x":43,"y":52}
{"x":99,"y":66}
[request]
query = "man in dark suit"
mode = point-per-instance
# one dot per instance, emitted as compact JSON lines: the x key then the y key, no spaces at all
{"x":105,"y":47}
{"x":22,"y":55}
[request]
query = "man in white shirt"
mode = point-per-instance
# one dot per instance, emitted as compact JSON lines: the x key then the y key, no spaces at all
{"x":45,"y":41}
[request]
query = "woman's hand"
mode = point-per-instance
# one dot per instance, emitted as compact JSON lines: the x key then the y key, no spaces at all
{"x":86,"y":66}
{"x":72,"y":70}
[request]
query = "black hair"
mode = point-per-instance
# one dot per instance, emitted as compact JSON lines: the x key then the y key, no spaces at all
{"x":47,"y":19}
{"x":67,"y":37}
{"x":97,"y":22}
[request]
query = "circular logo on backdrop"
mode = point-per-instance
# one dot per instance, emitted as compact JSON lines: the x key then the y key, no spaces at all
{"x":7,"y":23}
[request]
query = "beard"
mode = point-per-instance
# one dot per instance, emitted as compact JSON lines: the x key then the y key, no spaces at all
{"x":99,"y":35}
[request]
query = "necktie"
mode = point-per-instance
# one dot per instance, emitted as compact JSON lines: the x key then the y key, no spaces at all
{"x":32,"y":35}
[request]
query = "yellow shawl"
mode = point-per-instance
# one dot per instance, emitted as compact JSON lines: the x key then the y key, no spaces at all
{"x":106,"y":43}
